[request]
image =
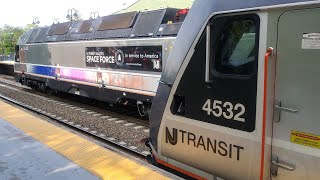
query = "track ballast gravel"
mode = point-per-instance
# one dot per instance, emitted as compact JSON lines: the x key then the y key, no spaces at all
{"x":118,"y":129}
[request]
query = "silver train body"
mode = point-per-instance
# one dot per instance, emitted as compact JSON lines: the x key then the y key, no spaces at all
{"x":239,"y":97}
{"x":69,"y":58}
{"x":117,"y":58}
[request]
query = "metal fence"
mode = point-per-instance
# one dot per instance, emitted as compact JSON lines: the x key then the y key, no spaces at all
{"x":7,"y":57}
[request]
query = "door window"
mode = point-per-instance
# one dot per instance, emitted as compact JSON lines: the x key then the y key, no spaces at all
{"x":235,"y":45}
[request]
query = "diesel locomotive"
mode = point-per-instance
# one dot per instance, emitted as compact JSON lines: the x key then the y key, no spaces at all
{"x":117,"y":58}
{"x":239,"y":97}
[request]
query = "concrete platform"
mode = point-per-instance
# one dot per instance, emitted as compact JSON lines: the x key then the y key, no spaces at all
{"x":23,"y":157}
{"x":32,"y":148}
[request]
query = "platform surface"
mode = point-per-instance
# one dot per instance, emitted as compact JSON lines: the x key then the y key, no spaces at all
{"x":22,"y":157}
{"x":32,"y":148}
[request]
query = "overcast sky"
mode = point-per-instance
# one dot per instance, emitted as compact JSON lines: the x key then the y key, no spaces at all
{"x":22,"y":12}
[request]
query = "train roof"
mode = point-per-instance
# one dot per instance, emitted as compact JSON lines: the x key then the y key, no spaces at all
{"x":198,"y":15}
{"x":156,"y":23}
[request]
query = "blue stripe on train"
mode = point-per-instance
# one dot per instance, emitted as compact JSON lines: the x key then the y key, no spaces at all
{"x":44,"y":70}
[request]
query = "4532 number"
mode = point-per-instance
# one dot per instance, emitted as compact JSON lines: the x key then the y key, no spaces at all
{"x":225,"y":109}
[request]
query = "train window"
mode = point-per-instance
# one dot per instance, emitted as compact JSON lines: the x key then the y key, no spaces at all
{"x":235,"y":47}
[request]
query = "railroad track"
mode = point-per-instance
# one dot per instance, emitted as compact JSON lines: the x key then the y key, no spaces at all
{"x":118,"y":130}
{"x":130,"y":112}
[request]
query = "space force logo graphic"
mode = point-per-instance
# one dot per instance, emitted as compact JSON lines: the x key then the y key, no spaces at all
{"x":119,"y":56}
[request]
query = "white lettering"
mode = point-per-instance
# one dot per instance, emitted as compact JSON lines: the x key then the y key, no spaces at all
{"x":227,"y":111}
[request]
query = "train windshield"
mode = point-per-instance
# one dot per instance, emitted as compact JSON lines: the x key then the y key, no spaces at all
{"x":236,"y":47}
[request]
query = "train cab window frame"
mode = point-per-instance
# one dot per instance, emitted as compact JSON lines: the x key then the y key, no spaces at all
{"x":234,"y":51}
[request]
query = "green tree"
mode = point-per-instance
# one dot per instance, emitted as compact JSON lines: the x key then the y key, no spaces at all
{"x":9,"y":36}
